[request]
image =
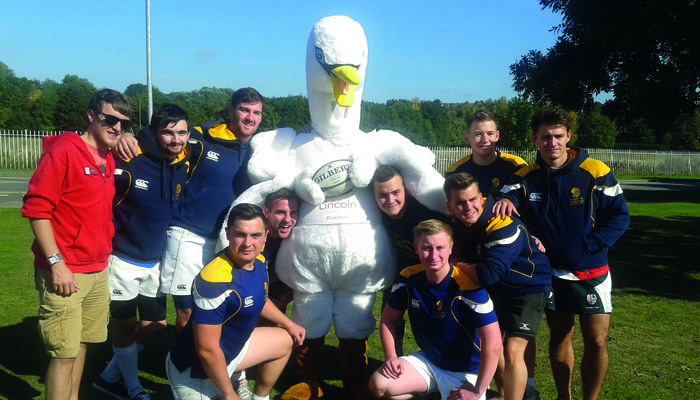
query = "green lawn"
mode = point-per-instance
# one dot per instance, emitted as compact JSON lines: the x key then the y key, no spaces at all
{"x":654,"y":338}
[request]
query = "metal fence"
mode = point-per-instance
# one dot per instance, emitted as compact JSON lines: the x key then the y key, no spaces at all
{"x":21,"y":149}
{"x":622,"y":162}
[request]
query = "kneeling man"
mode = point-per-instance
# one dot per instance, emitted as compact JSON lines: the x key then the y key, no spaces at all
{"x":452,"y":320}
{"x":228,"y":297}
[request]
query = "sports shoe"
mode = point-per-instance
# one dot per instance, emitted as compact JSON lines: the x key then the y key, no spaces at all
{"x":141,"y":396}
{"x":243,"y":390}
{"x":531,"y":394}
{"x":116,"y":389}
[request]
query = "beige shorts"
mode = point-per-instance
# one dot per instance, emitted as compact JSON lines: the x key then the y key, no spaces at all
{"x":67,"y":321}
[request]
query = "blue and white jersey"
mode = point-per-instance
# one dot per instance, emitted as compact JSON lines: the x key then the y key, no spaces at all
{"x":445,"y":316}
{"x":227,"y":295}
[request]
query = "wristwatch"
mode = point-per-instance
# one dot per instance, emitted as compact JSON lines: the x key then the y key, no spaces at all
{"x":54,"y":259}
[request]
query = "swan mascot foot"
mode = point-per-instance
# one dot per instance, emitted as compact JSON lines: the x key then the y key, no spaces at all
{"x":338,"y":256}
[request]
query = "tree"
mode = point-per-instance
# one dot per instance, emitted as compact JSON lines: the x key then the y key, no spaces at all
{"x":73,"y":95}
{"x":596,"y":131}
{"x":514,"y":124}
{"x":647,"y":53}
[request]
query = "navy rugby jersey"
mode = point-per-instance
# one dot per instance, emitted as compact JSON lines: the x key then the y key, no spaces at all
{"x":504,"y":252}
{"x":491,"y":177}
{"x":444,"y":316}
{"x":227,"y":295}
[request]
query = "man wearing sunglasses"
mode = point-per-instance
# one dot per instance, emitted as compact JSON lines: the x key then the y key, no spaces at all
{"x":69,"y":206}
{"x":218,"y":177}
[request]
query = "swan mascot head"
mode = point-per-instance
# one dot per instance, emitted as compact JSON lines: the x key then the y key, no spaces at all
{"x":336,"y":63}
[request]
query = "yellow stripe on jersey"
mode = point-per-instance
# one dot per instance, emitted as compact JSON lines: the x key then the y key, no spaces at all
{"x":219,"y":270}
{"x":454,"y":166}
{"x":497,"y":223}
{"x":407,"y":272}
{"x":524,"y":170}
{"x":463,"y":281}
{"x":221,"y":131}
{"x":513,"y":159}
{"x":595,"y":167}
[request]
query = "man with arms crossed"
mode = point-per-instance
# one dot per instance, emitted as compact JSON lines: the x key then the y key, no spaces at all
{"x":502,"y":256}
{"x":229,"y":296}
{"x":452,"y":319}
{"x":489,"y":166}
{"x":69,"y":206}
{"x":575,"y":206}
{"x":401,"y":213}
{"x":148,"y":190}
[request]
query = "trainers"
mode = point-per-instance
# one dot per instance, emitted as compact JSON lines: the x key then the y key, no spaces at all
{"x":141,"y":396}
{"x":243,"y":390}
{"x":531,"y":394}
{"x":116,"y":389}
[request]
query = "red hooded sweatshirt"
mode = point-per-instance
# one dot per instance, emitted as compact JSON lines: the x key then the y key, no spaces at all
{"x":69,"y":189}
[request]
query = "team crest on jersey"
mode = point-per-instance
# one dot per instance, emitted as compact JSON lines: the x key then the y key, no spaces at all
{"x":438,"y":313}
{"x":141,"y":184}
{"x":212,"y":155}
{"x":178,"y":189}
{"x":248,"y":301}
{"x":591,"y":298}
{"x":576,"y":197}
{"x":496,"y":184}
{"x":535,"y":196}
{"x":415,"y":303}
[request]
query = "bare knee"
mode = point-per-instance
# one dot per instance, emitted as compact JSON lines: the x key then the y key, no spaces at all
{"x":378,"y":385}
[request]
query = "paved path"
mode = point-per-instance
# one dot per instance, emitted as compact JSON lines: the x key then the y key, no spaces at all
{"x":13,"y":185}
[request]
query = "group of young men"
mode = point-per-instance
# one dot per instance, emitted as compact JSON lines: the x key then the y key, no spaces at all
{"x":475,"y":283}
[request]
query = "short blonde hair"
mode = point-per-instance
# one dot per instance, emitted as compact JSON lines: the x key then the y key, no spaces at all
{"x":431,"y":227}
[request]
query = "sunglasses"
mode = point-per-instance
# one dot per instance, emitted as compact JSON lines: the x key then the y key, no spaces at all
{"x":111,"y":120}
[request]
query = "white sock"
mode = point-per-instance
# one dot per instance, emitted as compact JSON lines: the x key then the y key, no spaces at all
{"x":112,"y":373}
{"x":238,"y":376}
{"x":531,"y":382}
{"x":256,"y":397}
{"x":127,"y":357}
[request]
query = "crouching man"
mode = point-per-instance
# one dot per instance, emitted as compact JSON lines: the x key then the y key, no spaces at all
{"x":228,"y":297}
{"x":452,"y":320}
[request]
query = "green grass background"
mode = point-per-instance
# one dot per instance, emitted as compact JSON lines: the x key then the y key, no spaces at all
{"x":654,"y":340}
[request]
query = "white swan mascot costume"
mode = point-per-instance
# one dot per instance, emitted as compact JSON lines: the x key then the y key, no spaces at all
{"x":338,"y":256}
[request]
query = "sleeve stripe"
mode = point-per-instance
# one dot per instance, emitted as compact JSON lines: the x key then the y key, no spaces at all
{"x":211,"y":304}
{"x":396,"y":286}
{"x":610,"y":191}
{"x":510,"y":188}
{"x":481,"y":308}
{"x":504,"y":241}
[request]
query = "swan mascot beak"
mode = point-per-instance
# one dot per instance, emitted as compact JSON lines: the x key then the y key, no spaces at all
{"x":344,"y":78}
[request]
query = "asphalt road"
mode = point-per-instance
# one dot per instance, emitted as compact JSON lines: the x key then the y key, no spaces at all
{"x":13,"y":185}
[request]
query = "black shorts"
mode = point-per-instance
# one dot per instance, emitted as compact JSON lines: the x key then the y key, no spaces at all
{"x":591,"y":296}
{"x":520,"y":315}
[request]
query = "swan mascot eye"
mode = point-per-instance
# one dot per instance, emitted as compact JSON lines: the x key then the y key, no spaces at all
{"x":338,"y":256}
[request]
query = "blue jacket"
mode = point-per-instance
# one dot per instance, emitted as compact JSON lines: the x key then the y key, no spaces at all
{"x":219,"y":176}
{"x":491,"y":177}
{"x":148,"y":191}
{"x":506,"y":257}
{"x":577,"y":211}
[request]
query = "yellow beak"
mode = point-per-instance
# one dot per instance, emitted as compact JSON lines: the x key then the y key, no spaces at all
{"x":344,"y":79}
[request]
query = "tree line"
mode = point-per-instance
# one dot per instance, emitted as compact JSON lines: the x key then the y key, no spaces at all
{"x":49,"y":105}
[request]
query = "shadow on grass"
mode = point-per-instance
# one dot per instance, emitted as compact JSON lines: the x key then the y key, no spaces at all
{"x":22,"y":356}
{"x":656,"y":257}
{"x":662,"y":196}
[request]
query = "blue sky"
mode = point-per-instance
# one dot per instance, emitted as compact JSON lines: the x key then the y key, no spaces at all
{"x":455,"y":51}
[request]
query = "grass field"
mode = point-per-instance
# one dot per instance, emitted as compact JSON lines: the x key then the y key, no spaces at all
{"x":654,"y":340}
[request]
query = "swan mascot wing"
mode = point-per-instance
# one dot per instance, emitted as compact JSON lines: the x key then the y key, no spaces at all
{"x":338,"y":256}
